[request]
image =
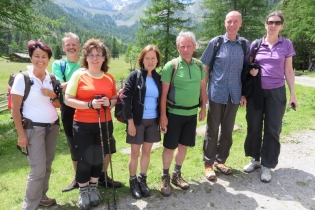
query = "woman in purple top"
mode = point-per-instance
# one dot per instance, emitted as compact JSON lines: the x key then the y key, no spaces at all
{"x":275,"y":59}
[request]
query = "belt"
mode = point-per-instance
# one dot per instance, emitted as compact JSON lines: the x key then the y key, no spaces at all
{"x":28,"y":124}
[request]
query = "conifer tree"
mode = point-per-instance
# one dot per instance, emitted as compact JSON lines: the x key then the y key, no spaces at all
{"x":253,"y":17}
{"x":161,"y":26}
{"x":57,"y":52}
{"x":115,"y":49}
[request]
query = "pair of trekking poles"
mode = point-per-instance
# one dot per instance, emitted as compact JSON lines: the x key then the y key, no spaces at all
{"x":103,"y":153}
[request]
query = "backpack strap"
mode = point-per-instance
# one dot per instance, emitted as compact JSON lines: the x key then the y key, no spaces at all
{"x":256,"y":47}
{"x":217,"y":45}
{"x":27,"y":85}
{"x":63,"y":69}
{"x":243,"y":45}
{"x":174,"y":69}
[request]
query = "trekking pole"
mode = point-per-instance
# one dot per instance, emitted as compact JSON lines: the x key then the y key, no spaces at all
{"x":110,"y":154}
{"x":103,"y":153}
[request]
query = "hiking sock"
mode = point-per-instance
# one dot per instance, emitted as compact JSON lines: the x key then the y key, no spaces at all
{"x":166,"y":171}
{"x":142,"y":174}
{"x":177,"y":168}
{"x":132,"y":178}
{"x":83,"y":188}
{"x":92,"y":184}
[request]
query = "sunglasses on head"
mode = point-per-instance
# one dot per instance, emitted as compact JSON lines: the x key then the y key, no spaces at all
{"x":23,"y":150}
{"x":277,"y":23}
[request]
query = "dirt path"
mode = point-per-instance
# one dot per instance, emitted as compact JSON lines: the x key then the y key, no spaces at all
{"x":292,"y":186}
{"x":306,"y":81}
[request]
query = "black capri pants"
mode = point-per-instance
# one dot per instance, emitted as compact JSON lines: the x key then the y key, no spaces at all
{"x":89,"y":151}
{"x":67,"y":113}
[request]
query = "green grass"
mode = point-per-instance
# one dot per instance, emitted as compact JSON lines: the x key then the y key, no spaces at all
{"x":14,"y":166}
{"x":305,"y":73}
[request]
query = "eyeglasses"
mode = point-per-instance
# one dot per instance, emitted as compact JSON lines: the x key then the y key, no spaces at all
{"x":23,"y":150}
{"x":277,"y":23}
{"x":94,"y":56}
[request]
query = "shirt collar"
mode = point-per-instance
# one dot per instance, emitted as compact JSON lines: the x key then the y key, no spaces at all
{"x":182,"y":60}
{"x":280,"y":39}
{"x":226,"y":39}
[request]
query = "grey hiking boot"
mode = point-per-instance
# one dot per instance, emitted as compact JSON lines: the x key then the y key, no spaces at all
{"x":166,"y":189}
{"x":265,"y":175}
{"x":179,"y":181}
{"x":84,"y":199}
{"x":94,"y":195}
{"x":252,"y":165}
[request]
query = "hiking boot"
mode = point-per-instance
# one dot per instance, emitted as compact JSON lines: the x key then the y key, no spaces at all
{"x":94,"y":195}
{"x":179,"y":181}
{"x":45,"y":201}
{"x":134,"y":188}
{"x":84,"y":199}
{"x":223,"y":168}
{"x":252,"y":165}
{"x":145,"y":191}
{"x":210,"y":174}
{"x":110,"y":182}
{"x":73,"y":185}
{"x":166,"y":189}
{"x":265,"y":175}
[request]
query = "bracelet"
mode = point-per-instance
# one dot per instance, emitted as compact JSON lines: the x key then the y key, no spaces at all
{"x":110,"y":103}
{"x":90,"y":105}
{"x":56,"y":99}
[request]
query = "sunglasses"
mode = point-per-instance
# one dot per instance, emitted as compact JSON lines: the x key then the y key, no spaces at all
{"x":23,"y":150}
{"x":277,"y":23}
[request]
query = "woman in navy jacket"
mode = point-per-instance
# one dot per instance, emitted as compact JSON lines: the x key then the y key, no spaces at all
{"x":141,"y":98}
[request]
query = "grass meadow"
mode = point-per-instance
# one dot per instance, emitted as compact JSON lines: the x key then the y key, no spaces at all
{"x":14,"y":166}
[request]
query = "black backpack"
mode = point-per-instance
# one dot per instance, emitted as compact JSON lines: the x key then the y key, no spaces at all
{"x":119,"y":107}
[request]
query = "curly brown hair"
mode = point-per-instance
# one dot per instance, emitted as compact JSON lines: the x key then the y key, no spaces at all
{"x":97,"y":44}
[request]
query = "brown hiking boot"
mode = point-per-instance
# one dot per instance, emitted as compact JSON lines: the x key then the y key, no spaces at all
{"x":179,"y":181}
{"x":223,"y":168}
{"x":45,"y":201}
{"x":166,"y":189}
{"x":210,"y":174}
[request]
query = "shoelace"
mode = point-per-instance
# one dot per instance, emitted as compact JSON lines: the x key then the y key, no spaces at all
{"x":94,"y":193}
{"x":165,"y":181}
{"x":223,"y":167}
{"x":84,"y":197}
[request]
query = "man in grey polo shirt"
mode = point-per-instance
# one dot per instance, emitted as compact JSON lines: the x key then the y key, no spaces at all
{"x":224,"y":92}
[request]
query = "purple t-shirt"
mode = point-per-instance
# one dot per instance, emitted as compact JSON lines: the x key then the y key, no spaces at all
{"x":272,"y":61}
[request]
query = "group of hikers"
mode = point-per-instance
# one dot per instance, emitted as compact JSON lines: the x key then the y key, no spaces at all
{"x":230,"y":73}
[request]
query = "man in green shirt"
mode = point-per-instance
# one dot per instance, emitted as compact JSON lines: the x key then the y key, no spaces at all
{"x":63,"y":70}
{"x":178,"y":119}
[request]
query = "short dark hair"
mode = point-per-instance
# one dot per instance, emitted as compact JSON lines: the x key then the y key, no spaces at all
{"x":97,"y":44}
{"x":275,"y":13}
{"x":32,"y":45}
{"x":147,"y":49}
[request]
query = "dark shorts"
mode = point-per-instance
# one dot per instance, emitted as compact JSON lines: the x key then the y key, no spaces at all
{"x":180,"y":130}
{"x":147,"y":131}
{"x":90,"y":156}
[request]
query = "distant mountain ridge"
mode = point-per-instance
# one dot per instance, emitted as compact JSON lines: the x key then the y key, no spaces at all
{"x":123,"y":12}
{"x":111,"y":5}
